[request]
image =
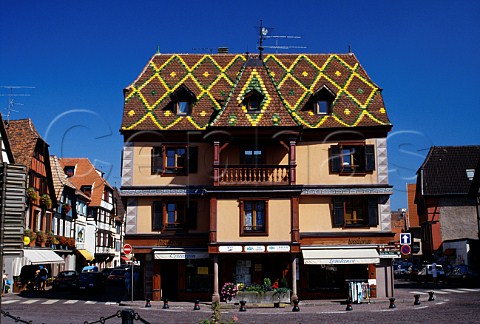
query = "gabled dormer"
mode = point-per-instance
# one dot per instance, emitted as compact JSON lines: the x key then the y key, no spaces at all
{"x":321,"y":101}
{"x":182,"y":100}
{"x":253,"y":100}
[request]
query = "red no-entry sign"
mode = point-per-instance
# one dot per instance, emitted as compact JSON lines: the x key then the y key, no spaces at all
{"x":127,"y":249}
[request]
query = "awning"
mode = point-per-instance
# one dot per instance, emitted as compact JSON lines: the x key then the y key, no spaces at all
{"x":87,"y":255}
{"x":42,"y":257}
{"x":124,"y":258}
{"x":180,"y":255}
{"x":340,"y":256}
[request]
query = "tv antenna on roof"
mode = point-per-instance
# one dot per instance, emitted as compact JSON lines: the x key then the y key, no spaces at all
{"x":264,"y":34}
{"x":11,"y":98}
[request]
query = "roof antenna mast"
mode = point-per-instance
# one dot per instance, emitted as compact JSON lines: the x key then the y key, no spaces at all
{"x":11,"y":99}
{"x":262,"y":32}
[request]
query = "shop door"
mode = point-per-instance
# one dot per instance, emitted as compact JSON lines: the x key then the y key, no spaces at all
{"x":169,"y":280}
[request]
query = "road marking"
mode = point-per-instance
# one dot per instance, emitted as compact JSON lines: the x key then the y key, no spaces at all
{"x":51,"y":301}
{"x":455,"y":291}
{"x":72,"y":301}
{"x":11,"y":301}
{"x":31,"y":301}
{"x":441,"y":292}
{"x":89,"y":302}
{"x":440,"y":303}
{"x":111,"y":303}
{"x":420,"y":307}
{"x":419,"y":292}
{"x":470,"y":289}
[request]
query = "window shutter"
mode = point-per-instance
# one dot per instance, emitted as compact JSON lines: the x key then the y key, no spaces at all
{"x":335,"y":159}
{"x":192,"y":215}
{"x":373,"y":211}
{"x":192,"y":159}
{"x":157,"y":215}
{"x":157,"y":160}
{"x":338,"y":212}
{"x":369,"y":158}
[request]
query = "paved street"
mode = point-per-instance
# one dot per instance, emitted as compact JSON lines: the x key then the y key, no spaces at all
{"x":451,"y":304}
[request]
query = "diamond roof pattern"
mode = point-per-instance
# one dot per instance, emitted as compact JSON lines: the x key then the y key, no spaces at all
{"x":221,"y":81}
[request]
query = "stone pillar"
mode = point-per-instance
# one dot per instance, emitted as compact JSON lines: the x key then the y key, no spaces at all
{"x":294,"y":279}
{"x":216,"y":295}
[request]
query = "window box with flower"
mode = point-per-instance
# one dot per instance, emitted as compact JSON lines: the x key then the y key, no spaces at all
{"x":46,"y":201}
{"x":32,"y":194}
{"x":66,"y":208}
{"x":31,"y":235}
{"x":265,"y":293}
{"x":41,"y":238}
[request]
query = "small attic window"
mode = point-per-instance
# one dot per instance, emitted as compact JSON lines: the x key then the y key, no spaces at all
{"x":322,"y":101}
{"x":69,"y":171}
{"x":87,"y":190}
{"x":253,"y":100}
{"x":183,"y":100}
{"x":470,"y":173}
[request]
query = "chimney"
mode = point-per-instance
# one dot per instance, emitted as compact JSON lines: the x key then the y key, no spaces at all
{"x":223,"y":50}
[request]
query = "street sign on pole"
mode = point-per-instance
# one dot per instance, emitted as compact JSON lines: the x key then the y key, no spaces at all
{"x":405,"y":249}
{"x":127,"y":249}
{"x":405,"y":238}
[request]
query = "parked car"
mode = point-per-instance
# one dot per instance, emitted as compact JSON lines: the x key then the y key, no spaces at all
{"x":412,"y":272}
{"x":463,"y":275}
{"x":90,"y":281}
{"x":425,"y":274}
{"x":399,"y":271}
{"x":64,"y":279}
{"x":106,"y":272}
{"x":117,"y":277}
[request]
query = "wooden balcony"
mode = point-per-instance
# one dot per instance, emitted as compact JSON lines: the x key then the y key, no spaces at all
{"x":253,"y":175}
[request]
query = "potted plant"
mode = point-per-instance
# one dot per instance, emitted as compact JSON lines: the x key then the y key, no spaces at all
{"x":66,"y":208}
{"x":31,"y":236}
{"x":41,"y":238}
{"x":32,"y":194}
{"x":229,"y":291}
{"x":46,"y":201}
{"x":71,"y":242}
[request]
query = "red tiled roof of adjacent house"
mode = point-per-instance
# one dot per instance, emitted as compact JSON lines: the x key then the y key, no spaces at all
{"x":23,"y":138}
{"x":218,"y":82}
{"x":86,"y":175}
{"x":444,"y":171}
{"x":60,"y":180}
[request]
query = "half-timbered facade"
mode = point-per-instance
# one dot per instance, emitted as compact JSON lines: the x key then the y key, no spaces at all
{"x":243,"y":167}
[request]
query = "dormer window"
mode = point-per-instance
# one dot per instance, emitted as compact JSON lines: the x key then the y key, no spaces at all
{"x":253,"y":101}
{"x":183,"y":100}
{"x":69,"y":171}
{"x":322,"y":101}
{"x":87,"y":190}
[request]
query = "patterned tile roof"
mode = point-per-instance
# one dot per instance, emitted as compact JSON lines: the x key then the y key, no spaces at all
{"x":23,"y":138}
{"x":219,"y":82}
{"x":86,"y":175}
{"x":59,"y":178}
{"x":444,"y":170}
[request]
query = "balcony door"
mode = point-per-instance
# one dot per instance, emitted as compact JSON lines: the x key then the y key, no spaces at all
{"x":252,"y":156}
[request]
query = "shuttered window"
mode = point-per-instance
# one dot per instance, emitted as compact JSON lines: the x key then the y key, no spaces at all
{"x":348,"y":159}
{"x":355,"y":211}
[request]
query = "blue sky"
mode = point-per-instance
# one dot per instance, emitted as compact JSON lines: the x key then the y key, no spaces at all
{"x":80,"y":55}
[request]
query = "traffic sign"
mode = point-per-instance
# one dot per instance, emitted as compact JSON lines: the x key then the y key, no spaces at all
{"x":127,"y":249}
{"x":405,"y":249}
{"x":406,"y":238}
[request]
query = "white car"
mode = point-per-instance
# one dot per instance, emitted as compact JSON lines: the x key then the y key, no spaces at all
{"x":425,"y":275}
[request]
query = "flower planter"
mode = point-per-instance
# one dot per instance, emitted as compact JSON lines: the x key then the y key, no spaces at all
{"x":269,"y":297}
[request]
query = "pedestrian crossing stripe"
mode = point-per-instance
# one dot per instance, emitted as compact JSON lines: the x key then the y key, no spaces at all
{"x":51,"y":301}
{"x":31,"y":301}
{"x":470,"y":289}
{"x":71,"y":301}
{"x":89,"y":302}
{"x":11,"y":301}
{"x":455,"y":291}
{"x":440,"y":292}
{"x":419,"y":292}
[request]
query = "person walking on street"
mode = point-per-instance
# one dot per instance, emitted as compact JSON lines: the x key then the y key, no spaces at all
{"x":43,"y":277}
{"x":434,"y":272}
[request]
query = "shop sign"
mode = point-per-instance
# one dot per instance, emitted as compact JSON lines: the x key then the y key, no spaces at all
{"x":230,"y":248}
{"x":164,"y":255}
{"x":389,"y":254}
{"x":254,"y":248}
{"x":278,"y":248}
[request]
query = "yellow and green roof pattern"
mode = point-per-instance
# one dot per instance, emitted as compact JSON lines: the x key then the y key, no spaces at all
{"x":220,"y":83}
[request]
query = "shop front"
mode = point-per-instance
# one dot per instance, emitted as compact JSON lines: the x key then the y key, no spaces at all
{"x":182,"y":274}
{"x":330,"y":272}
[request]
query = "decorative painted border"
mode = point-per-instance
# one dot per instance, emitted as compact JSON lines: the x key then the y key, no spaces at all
{"x":160,"y":192}
{"x":346,"y":191}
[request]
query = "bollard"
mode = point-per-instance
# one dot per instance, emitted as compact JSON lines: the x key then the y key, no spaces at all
{"x":431,"y":296}
{"x":242,"y":306}
{"x":295,"y":306}
{"x":128,"y":315}
{"x":165,"y":303}
{"x":147,"y":303}
{"x":417,"y":299}
{"x":349,"y":305}
{"x":197,"y":305}
{"x":392,"y":303}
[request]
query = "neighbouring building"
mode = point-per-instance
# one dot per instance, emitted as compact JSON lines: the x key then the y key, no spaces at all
{"x":447,"y":214}
{"x":31,"y":150}
{"x":100,"y":231}
{"x":240,"y":167}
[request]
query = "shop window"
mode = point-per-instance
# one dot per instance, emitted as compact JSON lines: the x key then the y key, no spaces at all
{"x":198,"y":275}
{"x":352,"y":158}
{"x":254,"y":217}
{"x":355,"y":211}
{"x":174,"y":215}
{"x":174,"y":160}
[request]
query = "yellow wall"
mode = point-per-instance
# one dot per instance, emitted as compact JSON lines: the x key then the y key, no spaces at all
{"x":313,"y":167}
{"x":144,"y":215}
{"x":142,"y":166}
{"x":228,"y":222}
{"x":316,"y":216}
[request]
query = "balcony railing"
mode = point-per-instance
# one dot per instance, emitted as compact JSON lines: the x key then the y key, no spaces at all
{"x":258,"y":175}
